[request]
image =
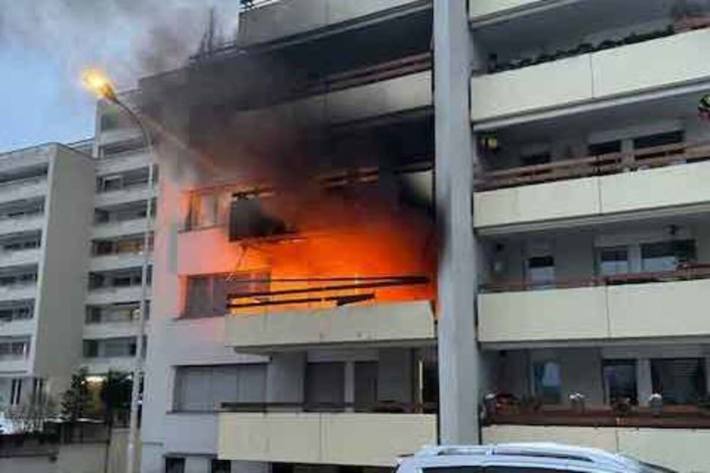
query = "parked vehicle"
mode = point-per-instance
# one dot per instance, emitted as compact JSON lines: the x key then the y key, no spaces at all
{"x":522,"y":458}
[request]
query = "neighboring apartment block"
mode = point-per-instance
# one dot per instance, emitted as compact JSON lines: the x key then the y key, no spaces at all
{"x":45,"y":208}
{"x":73,"y":222}
{"x":116,"y":240}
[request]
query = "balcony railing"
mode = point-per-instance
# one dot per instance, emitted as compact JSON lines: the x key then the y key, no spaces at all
{"x":668,"y":417}
{"x":680,"y":26}
{"x":686,"y":272}
{"x":379,"y":407}
{"x":602,"y":165}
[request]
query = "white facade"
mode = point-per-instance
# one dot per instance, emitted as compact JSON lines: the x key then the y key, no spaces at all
{"x":589,"y":228}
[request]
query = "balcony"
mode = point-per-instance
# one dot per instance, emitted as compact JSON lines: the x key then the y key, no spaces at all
{"x":608,"y":187}
{"x":28,"y":157}
{"x":383,"y":323}
{"x":20,"y":257}
{"x":380,"y":90}
{"x":22,"y":223}
{"x":113,"y":295}
{"x":132,"y":193}
{"x":682,"y":449}
{"x":592,"y":78}
{"x":116,"y":261}
{"x":123,"y":162}
{"x":621,"y":307}
{"x":118,"y":228}
{"x":97,"y":331}
{"x":20,"y":291}
{"x":29,"y":188}
{"x":334,"y":438}
{"x":482,"y":10}
{"x":282,"y":19}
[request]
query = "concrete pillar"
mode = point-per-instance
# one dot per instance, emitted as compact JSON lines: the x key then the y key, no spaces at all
{"x":285,"y":377}
{"x":457,"y":278}
{"x":349,"y":384}
{"x":644,"y":383}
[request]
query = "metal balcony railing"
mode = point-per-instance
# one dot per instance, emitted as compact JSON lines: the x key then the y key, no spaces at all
{"x":388,"y":407}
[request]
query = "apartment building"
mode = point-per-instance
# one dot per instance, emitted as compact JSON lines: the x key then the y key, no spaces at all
{"x":549,"y":153}
{"x":72,"y":249}
{"x":116,"y":240}
{"x":45,"y":204}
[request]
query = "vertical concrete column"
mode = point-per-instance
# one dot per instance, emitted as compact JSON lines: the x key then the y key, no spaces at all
{"x":457,"y":277}
{"x":644,"y":383}
{"x":285,"y":377}
{"x":349,"y":384}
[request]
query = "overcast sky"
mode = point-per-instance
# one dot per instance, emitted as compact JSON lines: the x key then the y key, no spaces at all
{"x":44,"y":44}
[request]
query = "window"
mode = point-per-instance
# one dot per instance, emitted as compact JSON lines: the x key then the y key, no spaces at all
{"x":607,"y":147}
{"x":110,"y":183}
{"x":221,"y":466}
{"x":325,"y":386}
{"x":620,"y":381}
{"x":110,"y":121}
{"x":537,"y":158}
{"x":247,"y":219}
{"x":91,"y":348}
{"x":207,"y":295}
{"x":547,"y":378}
{"x":16,"y":391}
{"x":174,"y":465}
{"x":679,"y":380}
{"x":667,"y":255}
{"x":541,"y":271}
{"x":366,"y":373}
{"x":661,"y":139}
{"x":204,"y":388}
{"x":614,"y":260}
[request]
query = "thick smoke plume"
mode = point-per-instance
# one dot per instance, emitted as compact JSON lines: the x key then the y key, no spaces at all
{"x":129,"y":38}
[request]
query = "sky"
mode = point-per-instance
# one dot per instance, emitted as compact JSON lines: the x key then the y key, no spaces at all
{"x":45,"y":44}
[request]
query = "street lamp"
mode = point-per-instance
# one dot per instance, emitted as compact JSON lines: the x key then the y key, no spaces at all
{"x":100,"y":84}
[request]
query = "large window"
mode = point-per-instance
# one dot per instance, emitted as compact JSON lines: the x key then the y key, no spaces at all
{"x":667,"y":255}
{"x":547,"y":377}
{"x":620,"y":381}
{"x":174,"y":465}
{"x":249,"y":219}
{"x":679,"y":380}
{"x":207,"y":296}
{"x":204,"y":388}
{"x":325,"y":385}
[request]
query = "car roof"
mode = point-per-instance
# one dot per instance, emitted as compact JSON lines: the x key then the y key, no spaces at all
{"x":547,"y":455}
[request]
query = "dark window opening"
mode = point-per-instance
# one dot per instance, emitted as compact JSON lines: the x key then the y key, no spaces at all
{"x":607,"y":147}
{"x":174,"y":465}
{"x":679,"y":380}
{"x":247,"y":219}
{"x":537,"y":158}
{"x":620,"y":381}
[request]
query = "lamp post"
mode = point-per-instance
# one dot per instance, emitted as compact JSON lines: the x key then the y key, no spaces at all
{"x":101,"y":85}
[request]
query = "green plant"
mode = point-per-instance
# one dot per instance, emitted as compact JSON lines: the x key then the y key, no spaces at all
{"x":115,"y":394}
{"x":76,"y":400}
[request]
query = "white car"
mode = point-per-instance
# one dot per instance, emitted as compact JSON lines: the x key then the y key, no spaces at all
{"x":522,"y":458}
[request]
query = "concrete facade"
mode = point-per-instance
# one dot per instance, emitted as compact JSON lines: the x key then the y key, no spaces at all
{"x":566,"y":167}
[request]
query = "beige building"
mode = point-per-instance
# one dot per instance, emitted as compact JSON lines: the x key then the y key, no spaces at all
{"x":294,"y":325}
{"x":73,"y":219}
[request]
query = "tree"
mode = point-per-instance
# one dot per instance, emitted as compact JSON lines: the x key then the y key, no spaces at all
{"x":76,"y":401}
{"x":30,"y":416}
{"x":115,"y":394}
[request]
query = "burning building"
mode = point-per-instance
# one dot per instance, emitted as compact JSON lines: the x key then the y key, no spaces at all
{"x":361,"y":202}
{"x":296,"y":246}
